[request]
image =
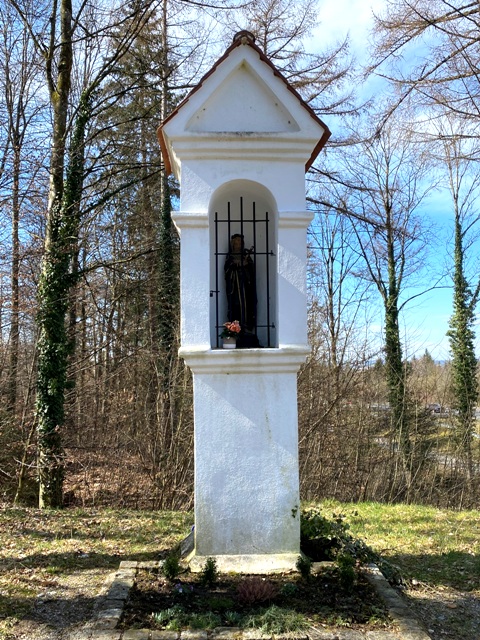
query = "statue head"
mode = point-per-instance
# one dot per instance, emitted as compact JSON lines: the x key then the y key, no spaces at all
{"x":236,"y":243}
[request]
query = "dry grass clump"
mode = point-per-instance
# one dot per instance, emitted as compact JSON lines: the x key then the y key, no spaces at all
{"x":255,"y":590}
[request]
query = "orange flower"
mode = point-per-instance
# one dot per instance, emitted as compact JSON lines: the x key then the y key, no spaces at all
{"x":232,"y":329}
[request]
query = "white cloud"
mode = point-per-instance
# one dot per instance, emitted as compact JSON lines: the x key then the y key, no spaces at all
{"x":339,"y":18}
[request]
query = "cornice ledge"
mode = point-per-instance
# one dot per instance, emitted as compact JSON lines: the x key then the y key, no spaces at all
{"x":295,"y":219}
{"x":286,"y":359}
{"x":184,"y":219}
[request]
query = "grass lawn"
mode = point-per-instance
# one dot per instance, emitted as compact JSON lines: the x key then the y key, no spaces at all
{"x":38,"y":548}
{"x":436,"y":548}
{"x":438,"y":553}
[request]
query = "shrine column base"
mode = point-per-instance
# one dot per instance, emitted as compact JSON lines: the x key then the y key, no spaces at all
{"x":247,"y":504}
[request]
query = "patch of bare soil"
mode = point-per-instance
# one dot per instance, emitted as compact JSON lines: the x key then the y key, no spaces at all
{"x":65,"y":605}
{"x":323,"y":599}
{"x":446,"y":613}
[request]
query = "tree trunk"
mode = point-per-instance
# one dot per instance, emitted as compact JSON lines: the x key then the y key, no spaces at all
{"x":14,"y":327}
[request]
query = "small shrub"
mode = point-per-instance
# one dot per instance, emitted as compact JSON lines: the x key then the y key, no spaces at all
{"x":204,"y":621}
{"x":169,"y":618}
{"x":175,"y":619}
{"x":315,"y":525}
{"x":220,"y":603}
{"x":346,"y":566}
{"x":333,"y":539}
{"x":288,"y":589}
{"x":255,"y":590}
{"x":233,"y":618}
{"x":276,"y":620}
{"x":320,"y":537}
{"x":304,"y":565}
{"x":209,"y":573}
{"x":171,"y":567}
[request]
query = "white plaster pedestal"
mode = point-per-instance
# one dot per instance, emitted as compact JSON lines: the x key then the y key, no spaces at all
{"x":246,"y":458}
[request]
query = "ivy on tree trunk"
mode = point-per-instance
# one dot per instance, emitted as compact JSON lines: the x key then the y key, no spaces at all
{"x":464,"y":362}
{"x":56,"y":279}
{"x":394,"y":362}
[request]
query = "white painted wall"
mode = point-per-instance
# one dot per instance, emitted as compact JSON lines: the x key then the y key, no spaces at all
{"x":284,"y":179}
{"x":246,"y":464}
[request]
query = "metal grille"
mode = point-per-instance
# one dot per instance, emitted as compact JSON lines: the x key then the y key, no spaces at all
{"x":255,"y":230}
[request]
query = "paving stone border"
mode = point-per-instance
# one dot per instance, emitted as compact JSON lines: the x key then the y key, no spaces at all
{"x":118,"y":584}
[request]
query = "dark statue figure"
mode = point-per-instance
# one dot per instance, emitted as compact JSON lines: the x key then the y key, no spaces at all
{"x":241,"y":293}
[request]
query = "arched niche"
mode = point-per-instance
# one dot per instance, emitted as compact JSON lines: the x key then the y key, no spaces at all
{"x":246,"y":208}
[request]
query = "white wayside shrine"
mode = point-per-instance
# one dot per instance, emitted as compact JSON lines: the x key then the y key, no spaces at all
{"x":240,"y":144}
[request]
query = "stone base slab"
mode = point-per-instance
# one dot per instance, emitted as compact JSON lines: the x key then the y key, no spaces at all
{"x":255,"y":563}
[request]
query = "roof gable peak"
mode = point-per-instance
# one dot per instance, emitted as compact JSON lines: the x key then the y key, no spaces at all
{"x":243,"y":94}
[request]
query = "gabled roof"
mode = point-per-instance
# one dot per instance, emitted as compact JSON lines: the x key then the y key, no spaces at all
{"x":279,"y":119}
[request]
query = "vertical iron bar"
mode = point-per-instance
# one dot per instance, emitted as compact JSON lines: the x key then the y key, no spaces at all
{"x":217,"y":325}
{"x":267,"y":257}
{"x":228,"y":220}
{"x":241,"y":215}
{"x":242,"y":246}
{"x":254,"y":235}
{"x":229,"y":233}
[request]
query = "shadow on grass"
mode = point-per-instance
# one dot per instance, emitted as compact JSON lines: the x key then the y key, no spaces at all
{"x":455,"y":569}
{"x":57,"y":612}
{"x":77,"y":560}
{"x":51,"y":605}
{"x":126,"y":535}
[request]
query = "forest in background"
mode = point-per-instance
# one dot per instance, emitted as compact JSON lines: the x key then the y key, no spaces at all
{"x":96,"y":407}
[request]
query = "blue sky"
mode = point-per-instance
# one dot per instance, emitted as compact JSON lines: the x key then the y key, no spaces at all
{"x":425,"y":321}
{"x":426,"y":318}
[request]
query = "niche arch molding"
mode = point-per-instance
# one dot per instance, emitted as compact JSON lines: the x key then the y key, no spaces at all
{"x":248,"y":208}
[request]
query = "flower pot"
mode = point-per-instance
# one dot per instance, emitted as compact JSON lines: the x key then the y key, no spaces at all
{"x":229,"y":343}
